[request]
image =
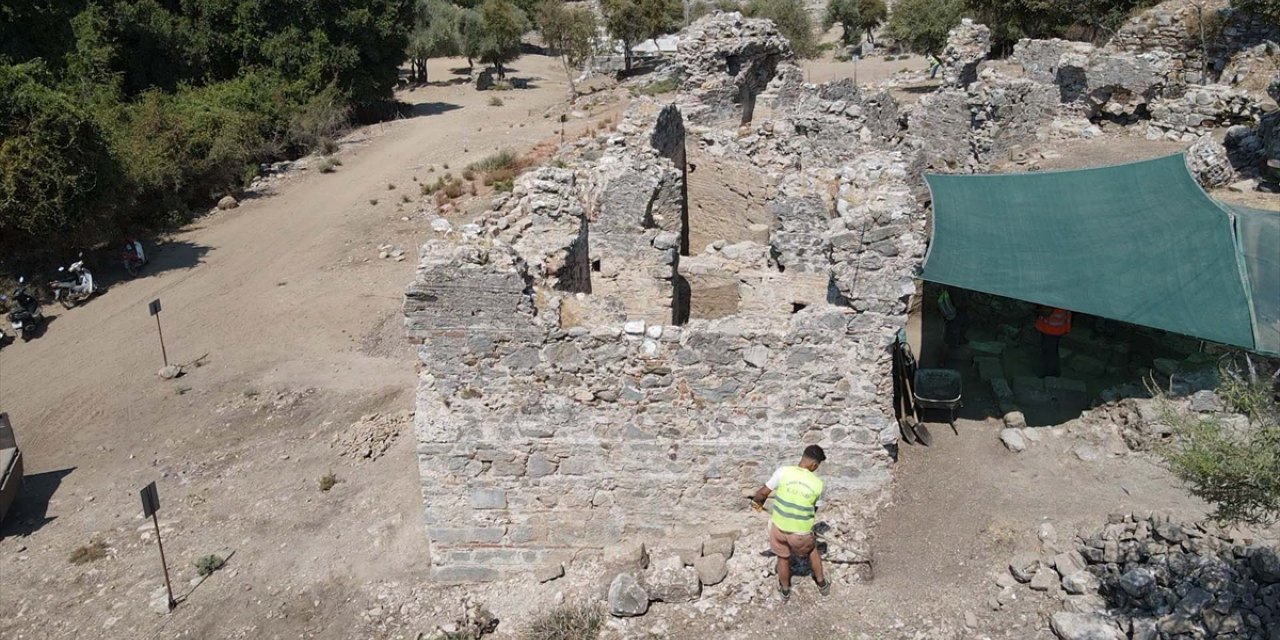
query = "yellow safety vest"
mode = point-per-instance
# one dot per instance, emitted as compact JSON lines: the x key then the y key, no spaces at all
{"x":794,"y":500}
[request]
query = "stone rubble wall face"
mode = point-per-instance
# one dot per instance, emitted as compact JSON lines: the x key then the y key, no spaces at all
{"x":531,"y":449}
{"x":538,"y":443}
{"x":727,"y":61}
{"x":1174,"y":26}
{"x":967,"y":45}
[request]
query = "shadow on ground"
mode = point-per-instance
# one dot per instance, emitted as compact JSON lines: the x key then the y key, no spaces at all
{"x":423,"y":109}
{"x":30,"y":512}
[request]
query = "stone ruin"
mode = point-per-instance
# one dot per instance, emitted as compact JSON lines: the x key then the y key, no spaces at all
{"x":596,"y":367}
{"x":624,"y":346}
{"x":726,"y":63}
{"x":967,"y":45}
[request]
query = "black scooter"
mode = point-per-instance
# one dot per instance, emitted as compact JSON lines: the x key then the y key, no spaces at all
{"x":26,"y":318}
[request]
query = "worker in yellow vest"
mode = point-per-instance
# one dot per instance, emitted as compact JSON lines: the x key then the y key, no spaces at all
{"x":797,"y":493}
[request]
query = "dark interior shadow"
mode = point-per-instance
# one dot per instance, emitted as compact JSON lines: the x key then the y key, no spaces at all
{"x":30,"y":511}
{"x":929,"y":88}
{"x":460,"y":71}
{"x":1000,"y":360}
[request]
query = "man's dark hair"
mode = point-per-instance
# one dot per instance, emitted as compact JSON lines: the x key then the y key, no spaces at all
{"x":815,"y":453}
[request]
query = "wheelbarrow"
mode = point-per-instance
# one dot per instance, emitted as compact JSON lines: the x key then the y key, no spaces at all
{"x":938,"y":389}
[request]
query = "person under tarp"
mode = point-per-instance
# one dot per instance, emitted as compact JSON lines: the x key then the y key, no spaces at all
{"x":1052,"y":323}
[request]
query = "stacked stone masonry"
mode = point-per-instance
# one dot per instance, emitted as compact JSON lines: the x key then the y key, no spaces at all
{"x":568,"y":398}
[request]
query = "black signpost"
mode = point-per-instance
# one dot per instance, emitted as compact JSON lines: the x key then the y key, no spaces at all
{"x":154,"y":308}
{"x":150,"y":505}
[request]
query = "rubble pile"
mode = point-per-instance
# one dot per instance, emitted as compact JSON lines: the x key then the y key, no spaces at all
{"x":372,"y":436}
{"x":1255,"y":151}
{"x":1210,"y":163}
{"x":1148,"y":576}
{"x":1183,"y":117}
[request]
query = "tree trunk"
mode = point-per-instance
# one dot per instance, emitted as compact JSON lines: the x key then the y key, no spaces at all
{"x":626,"y":56}
{"x":568,"y":72}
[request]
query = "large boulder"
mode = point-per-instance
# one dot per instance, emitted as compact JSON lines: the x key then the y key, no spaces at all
{"x":668,"y":580}
{"x":1084,"y":626}
{"x":626,"y":597}
{"x":711,"y":569}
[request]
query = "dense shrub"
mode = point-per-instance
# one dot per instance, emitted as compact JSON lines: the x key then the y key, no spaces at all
{"x":59,"y":181}
{"x":120,"y":114}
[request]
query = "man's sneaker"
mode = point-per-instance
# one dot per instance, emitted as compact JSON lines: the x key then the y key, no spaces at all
{"x":825,"y":588}
{"x":784,"y":592}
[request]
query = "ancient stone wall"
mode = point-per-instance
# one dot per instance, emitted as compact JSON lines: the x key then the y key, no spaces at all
{"x":1202,"y":37}
{"x":967,"y":45}
{"x":727,"y":62}
{"x":558,"y":414}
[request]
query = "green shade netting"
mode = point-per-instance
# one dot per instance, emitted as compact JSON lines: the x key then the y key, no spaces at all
{"x":1139,"y":243}
{"x":1258,"y":234}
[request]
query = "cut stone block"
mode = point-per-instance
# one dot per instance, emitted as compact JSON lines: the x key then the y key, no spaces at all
{"x":989,"y":368}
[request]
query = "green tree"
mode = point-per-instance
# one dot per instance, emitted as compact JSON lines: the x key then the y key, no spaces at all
{"x":504,"y":24}
{"x":435,"y":35}
{"x":847,"y":14}
{"x":571,"y":32}
{"x":470,"y":35}
{"x":871,"y":14}
{"x":793,"y":21}
{"x":923,"y":24}
{"x":1236,"y":470}
{"x":631,"y":22}
{"x":60,"y":185}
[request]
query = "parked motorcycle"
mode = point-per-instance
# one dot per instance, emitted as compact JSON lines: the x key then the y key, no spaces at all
{"x":26,"y":317}
{"x":77,"y":287}
{"x":133,"y":257}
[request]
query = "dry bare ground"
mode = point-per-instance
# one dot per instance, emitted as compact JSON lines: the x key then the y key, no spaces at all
{"x":289,"y":323}
{"x":296,"y":320}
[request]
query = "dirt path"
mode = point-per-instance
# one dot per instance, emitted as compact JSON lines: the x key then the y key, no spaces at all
{"x":298,"y":322}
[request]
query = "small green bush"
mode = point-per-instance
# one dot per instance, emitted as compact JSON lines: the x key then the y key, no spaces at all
{"x":327,"y":166}
{"x":327,"y":481}
{"x":88,"y":553}
{"x":501,"y":160}
{"x":206,"y":565}
{"x":495,"y":101}
{"x":665,"y":85}
{"x":1237,"y":470}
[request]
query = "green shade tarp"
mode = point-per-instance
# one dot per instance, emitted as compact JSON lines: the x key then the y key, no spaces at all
{"x":1139,"y":243}
{"x":1258,"y":236}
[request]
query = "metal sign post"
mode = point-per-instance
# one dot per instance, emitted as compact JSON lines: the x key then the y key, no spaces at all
{"x":154,"y":308}
{"x":150,"y":505}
